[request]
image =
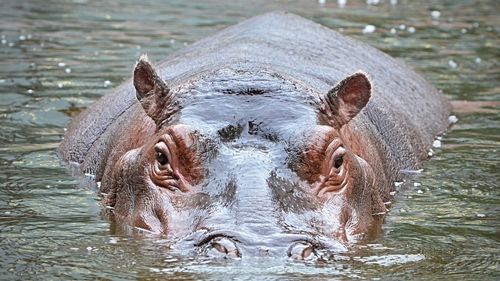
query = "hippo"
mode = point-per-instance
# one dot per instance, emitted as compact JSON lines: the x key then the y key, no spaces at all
{"x":274,"y":137}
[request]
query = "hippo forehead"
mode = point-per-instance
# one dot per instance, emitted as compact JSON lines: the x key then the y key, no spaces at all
{"x":265,"y":103}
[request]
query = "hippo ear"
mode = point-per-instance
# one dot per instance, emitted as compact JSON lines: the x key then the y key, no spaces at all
{"x":346,"y":99}
{"x":151,"y":90}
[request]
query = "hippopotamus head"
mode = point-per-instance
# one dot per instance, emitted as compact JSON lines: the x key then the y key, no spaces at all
{"x":246,"y":162}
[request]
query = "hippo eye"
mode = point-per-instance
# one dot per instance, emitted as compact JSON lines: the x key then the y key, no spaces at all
{"x":337,"y":161}
{"x":162,"y":153}
{"x":161,"y":158}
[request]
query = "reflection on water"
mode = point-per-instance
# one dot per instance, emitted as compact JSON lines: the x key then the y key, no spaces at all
{"x":58,"y":56}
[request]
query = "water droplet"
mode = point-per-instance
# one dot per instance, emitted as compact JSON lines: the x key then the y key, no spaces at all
{"x":411,"y":29}
{"x":61,"y":64}
{"x":435,"y":15}
{"x":464,"y":30}
{"x":89,"y":248}
{"x":107,"y":83}
{"x":67,"y":70}
{"x":172,"y":41}
{"x":4,"y":41}
{"x":402,"y":27}
{"x":60,"y":85}
{"x":436,"y":144}
{"x":481,"y":215}
{"x":341,"y":3}
{"x":452,"y":119}
{"x":30,"y":91}
{"x":11,"y":44}
{"x":393,"y":2}
{"x":478,"y":60}
{"x":416,"y":184}
{"x":430,"y":153}
{"x":392,"y":193}
{"x":321,"y":2}
{"x":420,"y":191}
{"x":155,"y":270}
{"x":452,"y":64}
{"x":393,"y":30}
{"x":22,"y":37}
{"x":369,"y":29}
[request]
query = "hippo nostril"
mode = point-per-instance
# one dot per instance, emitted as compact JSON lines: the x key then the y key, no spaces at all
{"x":224,"y":246}
{"x":301,"y":251}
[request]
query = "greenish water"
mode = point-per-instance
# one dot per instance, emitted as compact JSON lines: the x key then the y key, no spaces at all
{"x":56,"y":56}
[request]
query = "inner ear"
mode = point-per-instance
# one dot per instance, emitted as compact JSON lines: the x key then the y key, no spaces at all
{"x":151,"y":91}
{"x":347,"y":99}
{"x":146,"y":79}
{"x":143,"y":78}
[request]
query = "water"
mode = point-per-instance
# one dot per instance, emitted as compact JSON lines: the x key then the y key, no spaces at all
{"x":59,"y":56}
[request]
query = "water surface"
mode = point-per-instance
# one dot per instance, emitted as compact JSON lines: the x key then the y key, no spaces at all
{"x":59,"y":56}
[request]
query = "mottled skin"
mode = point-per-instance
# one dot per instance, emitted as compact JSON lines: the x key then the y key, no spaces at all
{"x":273,"y":136}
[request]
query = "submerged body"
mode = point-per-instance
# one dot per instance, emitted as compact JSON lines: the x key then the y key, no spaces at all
{"x":273,"y":136}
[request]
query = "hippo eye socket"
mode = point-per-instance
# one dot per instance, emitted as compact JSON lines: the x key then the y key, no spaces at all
{"x":338,"y":160}
{"x":161,"y":158}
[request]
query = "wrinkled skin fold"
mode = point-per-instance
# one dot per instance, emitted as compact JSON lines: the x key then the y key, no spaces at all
{"x":256,"y":155}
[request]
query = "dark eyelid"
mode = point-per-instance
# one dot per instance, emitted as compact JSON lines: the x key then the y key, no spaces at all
{"x":161,"y":147}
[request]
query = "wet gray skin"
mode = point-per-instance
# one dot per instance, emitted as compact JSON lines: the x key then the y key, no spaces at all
{"x":276,"y":137}
{"x":250,"y":201}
